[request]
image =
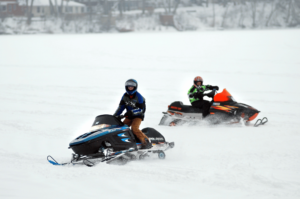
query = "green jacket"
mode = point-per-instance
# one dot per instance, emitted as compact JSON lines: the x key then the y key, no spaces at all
{"x":193,"y":90}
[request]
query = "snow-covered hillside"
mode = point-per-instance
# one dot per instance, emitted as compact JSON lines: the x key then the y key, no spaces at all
{"x":53,"y":86}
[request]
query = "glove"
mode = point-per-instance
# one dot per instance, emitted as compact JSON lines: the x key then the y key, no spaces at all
{"x":215,"y":87}
{"x":192,"y":95}
{"x":119,"y":117}
{"x":198,"y":95}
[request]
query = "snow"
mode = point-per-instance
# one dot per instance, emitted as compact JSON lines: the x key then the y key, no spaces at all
{"x":52,"y":86}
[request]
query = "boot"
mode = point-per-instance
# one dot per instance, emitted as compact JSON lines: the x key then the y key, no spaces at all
{"x":146,"y":144}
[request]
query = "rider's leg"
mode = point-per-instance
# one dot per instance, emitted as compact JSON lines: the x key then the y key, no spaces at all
{"x":197,"y":104}
{"x":206,"y":106}
{"x":135,"y":127}
{"x":128,"y":122}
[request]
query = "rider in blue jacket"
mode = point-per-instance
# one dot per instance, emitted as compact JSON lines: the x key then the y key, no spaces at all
{"x":135,"y":106}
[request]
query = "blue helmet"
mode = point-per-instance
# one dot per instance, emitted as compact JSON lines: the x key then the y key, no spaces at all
{"x":131,"y":83}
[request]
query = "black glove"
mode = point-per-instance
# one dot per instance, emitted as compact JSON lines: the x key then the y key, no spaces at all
{"x":192,"y":95}
{"x":198,"y":95}
{"x":119,"y":117}
{"x":215,"y":87}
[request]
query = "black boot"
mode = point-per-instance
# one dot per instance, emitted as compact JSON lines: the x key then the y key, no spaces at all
{"x":146,"y":144}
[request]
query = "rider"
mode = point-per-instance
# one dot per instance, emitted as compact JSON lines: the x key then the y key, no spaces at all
{"x":135,"y":106}
{"x":196,"y":94}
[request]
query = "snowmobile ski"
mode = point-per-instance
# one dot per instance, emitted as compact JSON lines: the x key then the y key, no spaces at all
{"x":261,"y":122}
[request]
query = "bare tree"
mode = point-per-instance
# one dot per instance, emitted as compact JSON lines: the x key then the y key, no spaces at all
{"x":26,"y":11}
{"x":273,"y":10}
{"x":165,"y":7}
{"x":225,"y":15}
{"x":29,"y":16}
{"x":61,"y":10}
{"x":51,"y":7}
{"x":262,"y":13}
{"x":56,"y":8}
{"x":177,"y":2}
{"x":214,"y":14}
{"x":242,"y":16}
{"x":169,"y":4}
{"x":253,"y":4}
{"x":295,"y":14}
{"x":121,"y":7}
{"x":143,"y":6}
{"x":289,"y":11}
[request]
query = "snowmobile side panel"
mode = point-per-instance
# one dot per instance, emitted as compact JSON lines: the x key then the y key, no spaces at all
{"x":179,"y":106}
{"x":154,"y":135}
{"x":114,"y":139}
{"x":93,"y":135}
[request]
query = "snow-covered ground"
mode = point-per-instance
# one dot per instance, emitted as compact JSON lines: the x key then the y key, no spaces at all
{"x":52,"y":86}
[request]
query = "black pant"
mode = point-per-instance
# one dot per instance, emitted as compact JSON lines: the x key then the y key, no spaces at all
{"x":204,"y":105}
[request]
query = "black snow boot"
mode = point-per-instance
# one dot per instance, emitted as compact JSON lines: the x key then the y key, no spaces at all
{"x":146,"y":144}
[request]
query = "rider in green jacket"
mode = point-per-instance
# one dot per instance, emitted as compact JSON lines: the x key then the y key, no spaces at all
{"x":196,"y":94}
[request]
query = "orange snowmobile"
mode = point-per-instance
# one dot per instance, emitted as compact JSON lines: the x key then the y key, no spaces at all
{"x":224,"y":109}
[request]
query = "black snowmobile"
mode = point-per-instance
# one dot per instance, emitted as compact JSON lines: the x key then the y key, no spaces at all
{"x":224,"y":109}
{"x":110,"y":141}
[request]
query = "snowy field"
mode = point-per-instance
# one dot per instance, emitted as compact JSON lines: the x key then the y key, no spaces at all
{"x":52,"y":87}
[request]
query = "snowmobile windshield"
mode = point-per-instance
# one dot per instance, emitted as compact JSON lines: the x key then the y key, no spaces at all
{"x":224,"y":96}
{"x":100,"y":126}
{"x":104,"y":121}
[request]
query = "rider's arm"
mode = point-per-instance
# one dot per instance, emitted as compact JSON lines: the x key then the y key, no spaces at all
{"x":121,"y":108}
{"x":191,"y":93}
{"x":210,"y":87}
{"x":141,"y":105}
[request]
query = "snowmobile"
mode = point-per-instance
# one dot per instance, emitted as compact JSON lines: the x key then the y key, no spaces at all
{"x":110,"y":140}
{"x":224,"y":109}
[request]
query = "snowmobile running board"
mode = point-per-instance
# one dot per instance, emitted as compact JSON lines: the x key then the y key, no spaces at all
{"x":122,"y":156}
{"x":261,"y":122}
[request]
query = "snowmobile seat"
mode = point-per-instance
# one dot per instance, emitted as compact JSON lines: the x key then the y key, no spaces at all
{"x":180,"y":107}
{"x":155,"y":136}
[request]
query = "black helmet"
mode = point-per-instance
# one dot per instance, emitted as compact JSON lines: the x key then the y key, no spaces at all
{"x":131,"y":83}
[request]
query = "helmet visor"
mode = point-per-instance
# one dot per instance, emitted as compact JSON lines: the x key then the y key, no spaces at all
{"x":130,"y":83}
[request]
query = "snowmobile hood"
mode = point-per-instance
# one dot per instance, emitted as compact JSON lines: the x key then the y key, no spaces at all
{"x":96,"y":134}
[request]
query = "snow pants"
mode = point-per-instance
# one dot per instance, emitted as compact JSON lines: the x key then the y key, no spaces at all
{"x":135,"y":127}
{"x":204,"y":105}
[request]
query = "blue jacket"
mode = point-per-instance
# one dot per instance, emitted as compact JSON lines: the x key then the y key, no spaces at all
{"x":135,"y":106}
